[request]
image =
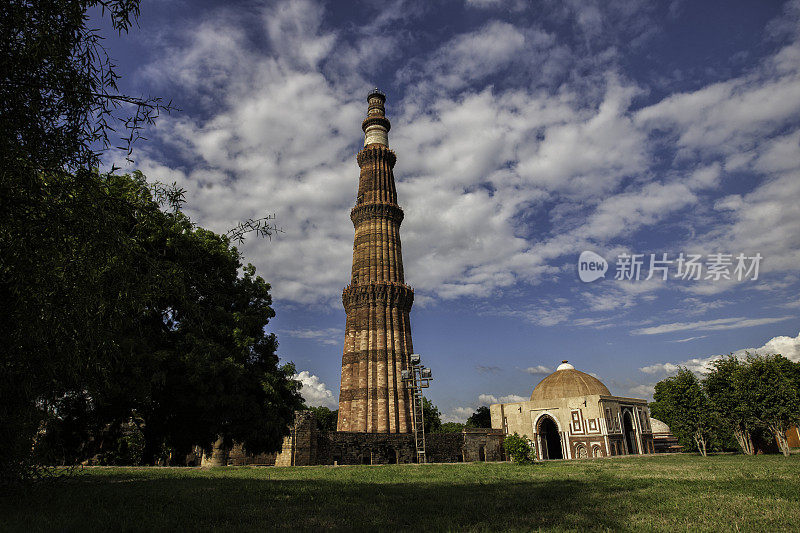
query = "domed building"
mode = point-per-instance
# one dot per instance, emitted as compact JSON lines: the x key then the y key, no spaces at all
{"x":571,"y":415}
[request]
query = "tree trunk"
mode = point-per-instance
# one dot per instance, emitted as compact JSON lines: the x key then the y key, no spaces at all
{"x":744,"y":439}
{"x":700,"y":441}
{"x":780,"y":437}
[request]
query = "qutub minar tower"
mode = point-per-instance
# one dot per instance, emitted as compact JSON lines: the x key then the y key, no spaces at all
{"x":377,"y":341}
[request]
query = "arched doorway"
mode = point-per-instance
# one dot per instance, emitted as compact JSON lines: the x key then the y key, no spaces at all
{"x":549,"y":439}
{"x":630,"y":433}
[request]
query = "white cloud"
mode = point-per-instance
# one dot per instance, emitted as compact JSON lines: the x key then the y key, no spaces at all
{"x":538,"y":369}
{"x":458,"y":414}
{"x":474,"y":160}
{"x":541,"y":315}
{"x":462,"y":413}
{"x":488,"y":399}
{"x":314,"y":392}
{"x":696,"y":365}
{"x":472,"y":56}
{"x":788,"y":347}
{"x":718,"y":324}
{"x":642,"y":391}
{"x":331,"y":336}
{"x":690,"y":338}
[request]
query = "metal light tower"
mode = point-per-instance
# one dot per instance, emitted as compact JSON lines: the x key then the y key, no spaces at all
{"x":417,"y":377}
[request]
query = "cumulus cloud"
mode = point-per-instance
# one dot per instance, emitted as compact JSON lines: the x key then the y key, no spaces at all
{"x":642,"y":391}
{"x":488,"y":399}
{"x":788,"y":347}
{"x":458,"y":414}
{"x":462,"y":413}
{"x":476,"y":157}
{"x":314,"y":392}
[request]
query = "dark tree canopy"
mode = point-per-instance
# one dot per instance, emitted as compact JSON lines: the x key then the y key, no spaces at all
{"x":325,"y":417}
{"x":451,"y":427}
{"x":116,"y":309}
{"x":481,"y":418}
{"x":59,"y":103}
{"x":192,"y":361}
{"x":431,"y":416}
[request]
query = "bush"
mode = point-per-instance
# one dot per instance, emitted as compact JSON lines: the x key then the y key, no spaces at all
{"x":518,"y":449}
{"x":126,"y":447}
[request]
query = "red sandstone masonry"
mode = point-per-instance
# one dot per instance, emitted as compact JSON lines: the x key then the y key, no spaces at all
{"x":373,"y":398}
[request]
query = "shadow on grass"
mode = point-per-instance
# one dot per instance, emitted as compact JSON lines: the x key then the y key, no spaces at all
{"x":141,"y":502}
{"x":249,"y":504}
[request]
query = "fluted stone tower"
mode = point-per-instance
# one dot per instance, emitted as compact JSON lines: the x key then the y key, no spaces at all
{"x":377,"y":341}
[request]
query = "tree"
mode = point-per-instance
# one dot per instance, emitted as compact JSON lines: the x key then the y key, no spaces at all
{"x":193,"y":362}
{"x":326,"y":419}
{"x":727,"y":402}
{"x":451,"y":427}
{"x":518,"y":448}
{"x":681,"y":402}
{"x":481,"y":418}
{"x":770,"y":392}
{"x":78,"y":291}
{"x":431,"y":416}
{"x":58,"y":105}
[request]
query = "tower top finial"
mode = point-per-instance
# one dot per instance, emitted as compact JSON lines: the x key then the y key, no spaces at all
{"x":376,"y":125}
{"x":565,"y":365}
{"x":376,"y":92}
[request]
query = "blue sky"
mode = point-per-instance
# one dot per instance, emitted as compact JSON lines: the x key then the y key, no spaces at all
{"x":526,"y":133}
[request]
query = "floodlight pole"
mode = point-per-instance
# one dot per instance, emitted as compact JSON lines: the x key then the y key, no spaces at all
{"x":417,"y":377}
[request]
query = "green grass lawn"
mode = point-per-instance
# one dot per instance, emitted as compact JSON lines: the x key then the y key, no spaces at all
{"x":663,"y":493}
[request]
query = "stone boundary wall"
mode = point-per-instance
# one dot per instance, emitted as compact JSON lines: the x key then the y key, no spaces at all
{"x":306,"y":445}
{"x":352,"y":448}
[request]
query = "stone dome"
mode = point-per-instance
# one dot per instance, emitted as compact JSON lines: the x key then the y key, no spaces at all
{"x":566,"y":382}
{"x":658,"y":426}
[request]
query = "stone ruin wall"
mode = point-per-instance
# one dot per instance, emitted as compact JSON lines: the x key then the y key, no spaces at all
{"x":306,"y":445}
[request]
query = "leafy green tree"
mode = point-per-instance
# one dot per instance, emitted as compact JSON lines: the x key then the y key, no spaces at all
{"x":326,"y":419}
{"x":196,"y":363}
{"x":481,"y":418}
{"x":61,"y":296}
{"x":770,"y":392}
{"x":518,"y":448}
{"x":191,"y":360}
{"x":681,"y":402}
{"x":431,"y":416}
{"x":728,"y":404}
{"x":80,"y":283}
{"x":451,"y":427}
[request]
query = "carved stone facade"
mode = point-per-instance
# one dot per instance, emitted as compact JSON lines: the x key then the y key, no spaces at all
{"x":373,"y":398}
{"x":572,"y":415}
